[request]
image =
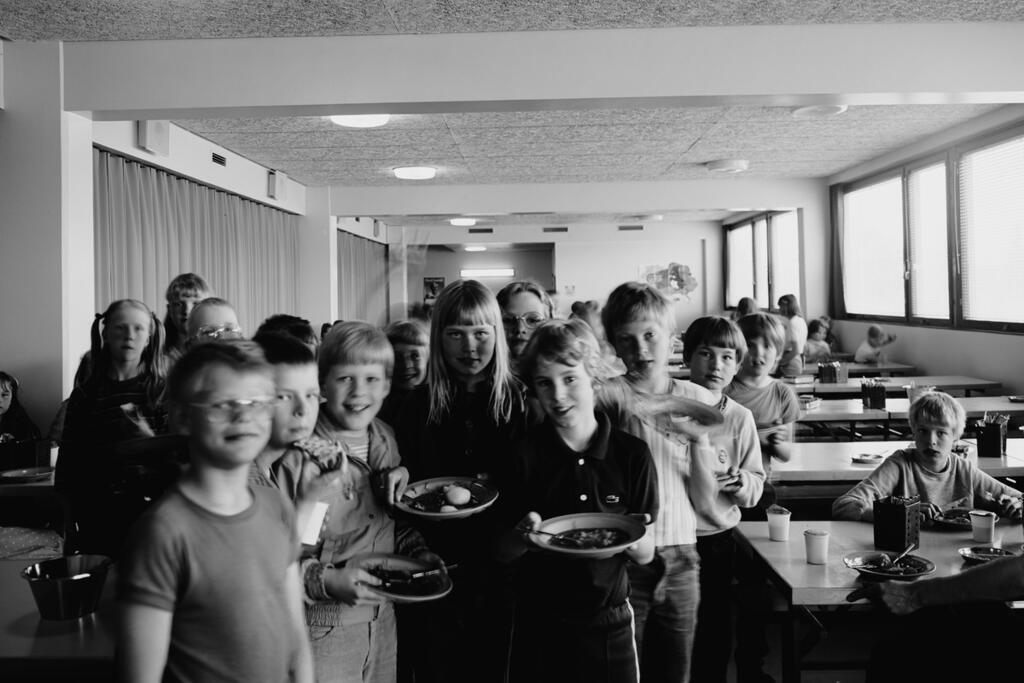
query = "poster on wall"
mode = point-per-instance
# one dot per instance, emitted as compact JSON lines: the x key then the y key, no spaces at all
{"x":432,"y":286}
{"x":675,"y":280}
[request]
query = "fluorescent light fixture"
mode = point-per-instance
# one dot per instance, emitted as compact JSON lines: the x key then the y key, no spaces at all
{"x":415,"y":172}
{"x":361,"y":120}
{"x":463,"y":222}
{"x":487,"y":272}
{"x":819,"y":111}
{"x":728,"y":165}
{"x":477,"y":248}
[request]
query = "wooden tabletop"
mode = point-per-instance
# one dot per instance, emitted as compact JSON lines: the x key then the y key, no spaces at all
{"x":832,"y":461}
{"x":830,"y":583}
{"x":31,"y":645}
{"x":865,"y":369}
{"x":841,"y":410}
{"x":896,"y":385}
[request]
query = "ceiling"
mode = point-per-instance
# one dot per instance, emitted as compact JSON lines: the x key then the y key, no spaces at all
{"x":518,"y":147}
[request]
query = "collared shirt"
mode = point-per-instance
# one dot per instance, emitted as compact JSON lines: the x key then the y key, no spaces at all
{"x":613,"y":474}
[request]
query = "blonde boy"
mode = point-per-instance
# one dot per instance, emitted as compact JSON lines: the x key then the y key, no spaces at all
{"x":208,"y":583}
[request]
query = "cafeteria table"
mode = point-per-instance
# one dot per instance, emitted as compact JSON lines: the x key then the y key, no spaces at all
{"x":975,"y":406}
{"x":807,"y":588}
{"x":887,"y":368}
{"x":895,"y":385}
{"x":35,"y":648}
{"x":41,"y":490}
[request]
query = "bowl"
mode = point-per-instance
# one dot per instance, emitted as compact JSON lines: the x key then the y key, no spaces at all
{"x":67,"y":587}
{"x":633,"y":530}
{"x":878,"y":565}
{"x":426,"y":498}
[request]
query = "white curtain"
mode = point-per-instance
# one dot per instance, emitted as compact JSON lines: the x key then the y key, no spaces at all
{"x":362,"y":279}
{"x":151,"y":225}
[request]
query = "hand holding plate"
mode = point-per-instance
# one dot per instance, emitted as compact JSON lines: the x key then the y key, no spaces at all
{"x":348,"y":585}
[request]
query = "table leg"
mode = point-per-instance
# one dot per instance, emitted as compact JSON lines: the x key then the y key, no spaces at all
{"x":790,"y":647}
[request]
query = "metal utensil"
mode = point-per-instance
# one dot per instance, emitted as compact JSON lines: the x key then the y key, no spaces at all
{"x":568,"y":539}
{"x":906,"y":551}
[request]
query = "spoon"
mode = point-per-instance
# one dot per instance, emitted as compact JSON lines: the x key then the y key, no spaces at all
{"x":896,"y":560}
{"x":548,"y":533}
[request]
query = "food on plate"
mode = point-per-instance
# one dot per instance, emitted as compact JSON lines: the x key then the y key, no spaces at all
{"x":955,"y":517}
{"x":457,"y":495}
{"x":402,"y":581}
{"x":439,"y":500}
{"x":908,"y":565}
{"x":448,"y":508}
{"x":587,"y":539}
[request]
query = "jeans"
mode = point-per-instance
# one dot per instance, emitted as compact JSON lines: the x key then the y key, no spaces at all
{"x":358,"y":652}
{"x":713,"y":640}
{"x":665,"y":595}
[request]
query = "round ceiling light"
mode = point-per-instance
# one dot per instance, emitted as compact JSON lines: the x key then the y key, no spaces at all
{"x":819,"y":111}
{"x":361,"y":120}
{"x":728,"y":165}
{"x":415,"y":172}
{"x":463,"y":222}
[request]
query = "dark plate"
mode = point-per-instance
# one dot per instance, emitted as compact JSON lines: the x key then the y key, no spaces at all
{"x":982,"y":554}
{"x":868,"y":563}
{"x":397,"y":568}
{"x":868,"y":458}
{"x":25,"y":475}
{"x":425,"y":498}
{"x":956,"y":519}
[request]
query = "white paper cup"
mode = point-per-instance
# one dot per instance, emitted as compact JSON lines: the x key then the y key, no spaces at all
{"x":778,"y":526}
{"x":983,"y":525}
{"x":816,"y":544}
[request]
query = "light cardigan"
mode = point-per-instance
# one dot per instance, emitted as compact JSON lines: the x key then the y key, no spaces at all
{"x":961,"y":484}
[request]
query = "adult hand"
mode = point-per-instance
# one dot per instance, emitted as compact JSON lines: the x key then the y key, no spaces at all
{"x":349,"y":585}
{"x":899,"y":597}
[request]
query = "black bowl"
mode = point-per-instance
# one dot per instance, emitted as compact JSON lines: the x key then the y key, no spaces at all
{"x":67,"y":587}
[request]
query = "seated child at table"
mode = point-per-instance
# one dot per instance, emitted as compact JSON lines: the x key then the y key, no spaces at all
{"x":208,"y":584}
{"x":713,"y":348}
{"x":352,"y":627}
{"x":15,"y":424}
{"x":930,"y":470}
{"x":573,"y":622}
{"x":872,"y":349}
{"x":817,"y":349}
{"x":411,"y":341}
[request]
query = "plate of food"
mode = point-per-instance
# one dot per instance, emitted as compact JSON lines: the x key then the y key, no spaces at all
{"x":868,"y":458}
{"x":404,"y":579}
{"x":25,"y":475}
{"x":591,"y":535}
{"x":447,"y":498}
{"x":954,"y":519}
{"x":878,"y":564}
{"x":983,"y":554}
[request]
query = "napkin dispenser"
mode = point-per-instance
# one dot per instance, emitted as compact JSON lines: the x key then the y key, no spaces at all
{"x":897,"y":522}
{"x":833,"y":373}
{"x":991,"y":439}
{"x":873,"y":395}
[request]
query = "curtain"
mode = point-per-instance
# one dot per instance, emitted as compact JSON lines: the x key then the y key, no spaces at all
{"x":362,"y":279}
{"x":151,"y":225}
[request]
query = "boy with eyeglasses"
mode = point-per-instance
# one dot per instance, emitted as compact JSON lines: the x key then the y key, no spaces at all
{"x":209,"y":585}
{"x":213,"y":318}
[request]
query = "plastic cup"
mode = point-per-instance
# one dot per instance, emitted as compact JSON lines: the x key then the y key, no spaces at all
{"x":778,"y":525}
{"x":816,"y":544}
{"x":983,"y":525}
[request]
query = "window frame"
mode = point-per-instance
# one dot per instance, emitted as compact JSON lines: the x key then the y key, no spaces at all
{"x":751,"y":220}
{"x":951,"y":155}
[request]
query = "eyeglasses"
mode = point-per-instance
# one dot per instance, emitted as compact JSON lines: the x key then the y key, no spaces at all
{"x":531,"y":320}
{"x":229,"y":331}
{"x":229,"y":411}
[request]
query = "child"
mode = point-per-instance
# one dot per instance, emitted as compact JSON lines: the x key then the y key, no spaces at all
{"x":871,"y":350}
{"x":352,"y":627}
{"x":411,"y":341}
{"x":573,"y":622}
{"x":184,"y":292}
{"x":298,"y":400}
{"x":462,"y":422}
{"x":664,"y":593}
{"x":213,"y":318}
{"x":300,"y":328}
{"x":118,"y":401}
{"x":817,"y":349}
{"x":209,"y":586}
{"x":929,"y":470}
{"x":713,"y":349}
{"x":15,"y":424}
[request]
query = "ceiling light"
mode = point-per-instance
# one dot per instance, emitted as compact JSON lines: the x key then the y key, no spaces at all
{"x":480,"y":248}
{"x":728,"y":165}
{"x":415,"y":172}
{"x":487,"y":272}
{"x":361,"y":120}
{"x":819,"y":111}
{"x":463,"y":222}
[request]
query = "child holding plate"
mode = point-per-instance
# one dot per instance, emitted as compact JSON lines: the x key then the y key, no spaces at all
{"x":573,"y":620}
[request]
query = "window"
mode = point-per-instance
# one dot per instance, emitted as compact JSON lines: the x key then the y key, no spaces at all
{"x":763,"y":258}
{"x":906,"y":255}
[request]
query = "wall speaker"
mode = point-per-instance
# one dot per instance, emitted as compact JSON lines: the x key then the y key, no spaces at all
{"x":154,"y":136}
{"x":276,"y":182}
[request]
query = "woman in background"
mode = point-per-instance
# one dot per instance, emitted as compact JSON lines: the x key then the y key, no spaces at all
{"x":524,"y":305}
{"x":791,"y":362}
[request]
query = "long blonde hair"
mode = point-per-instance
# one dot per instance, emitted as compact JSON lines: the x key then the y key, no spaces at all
{"x":467,"y":302}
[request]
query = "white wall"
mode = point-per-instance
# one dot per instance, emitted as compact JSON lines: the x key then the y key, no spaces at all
{"x":529,"y":264}
{"x":190,"y":155}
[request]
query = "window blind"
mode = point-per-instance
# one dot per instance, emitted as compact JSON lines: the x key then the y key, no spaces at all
{"x":873,"y":249}
{"x":929,"y":247}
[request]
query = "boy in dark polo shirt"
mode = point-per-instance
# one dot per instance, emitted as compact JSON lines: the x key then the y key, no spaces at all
{"x":573,"y":620}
